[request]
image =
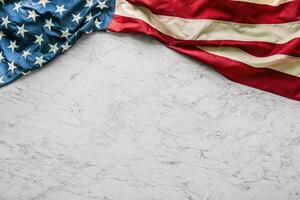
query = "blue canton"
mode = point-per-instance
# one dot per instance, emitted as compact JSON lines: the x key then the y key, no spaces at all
{"x":33,"y":32}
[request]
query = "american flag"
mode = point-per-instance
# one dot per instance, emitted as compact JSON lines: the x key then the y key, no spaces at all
{"x":253,"y":42}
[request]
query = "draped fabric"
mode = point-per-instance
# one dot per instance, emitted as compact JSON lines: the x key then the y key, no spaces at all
{"x":253,"y":42}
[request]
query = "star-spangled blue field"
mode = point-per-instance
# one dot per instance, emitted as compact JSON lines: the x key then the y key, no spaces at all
{"x":34,"y":32}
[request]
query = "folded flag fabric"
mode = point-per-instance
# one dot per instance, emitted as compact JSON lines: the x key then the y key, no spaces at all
{"x":253,"y":42}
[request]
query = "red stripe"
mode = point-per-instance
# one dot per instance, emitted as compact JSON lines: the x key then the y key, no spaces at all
{"x":226,"y":10}
{"x":259,"y":49}
{"x":265,"y":79}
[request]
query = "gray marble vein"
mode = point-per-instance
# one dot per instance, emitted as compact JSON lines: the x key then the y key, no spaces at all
{"x":125,"y":118}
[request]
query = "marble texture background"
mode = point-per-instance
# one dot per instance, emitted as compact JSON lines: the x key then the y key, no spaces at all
{"x":119,"y":117}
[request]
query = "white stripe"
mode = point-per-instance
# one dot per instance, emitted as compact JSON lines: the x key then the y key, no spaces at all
{"x":282,"y":63}
{"x":266,"y":2}
{"x":207,"y":29}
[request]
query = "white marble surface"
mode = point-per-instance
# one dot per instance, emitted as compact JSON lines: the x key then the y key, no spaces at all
{"x":124,"y":118}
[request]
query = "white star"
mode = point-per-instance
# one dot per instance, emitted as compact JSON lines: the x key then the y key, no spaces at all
{"x":43,"y":2}
{"x":65,"y":46}
{"x":39,"y":39}
{"x":53,"y":48}
{"x":26,"y":53}
{"x":25,"y":73}
{"x":49,"y":24}
{"x":102,"y":4}
{"x":1,"y":35}
{"x":89,"y":3}
{"x":1,"y":80}
{"x":12,"y":45}
{"x":65,"y":34}
{"x":21,"y":30}
{"x":60,"y":9}
{"x":5,"y":21}
{"x":17,"y":6}
{"x":76,"y":18}
{"x":1,"y":56}
{"x":39,"y":61}
{"x":12,"y":67}
{"x":98,"y":23}
{"x":2,"y":1}
{"x":32,"y":14}
{"x":89,"y":17}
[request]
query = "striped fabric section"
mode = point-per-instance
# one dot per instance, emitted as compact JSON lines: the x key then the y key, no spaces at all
{"x":253,"y":42}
